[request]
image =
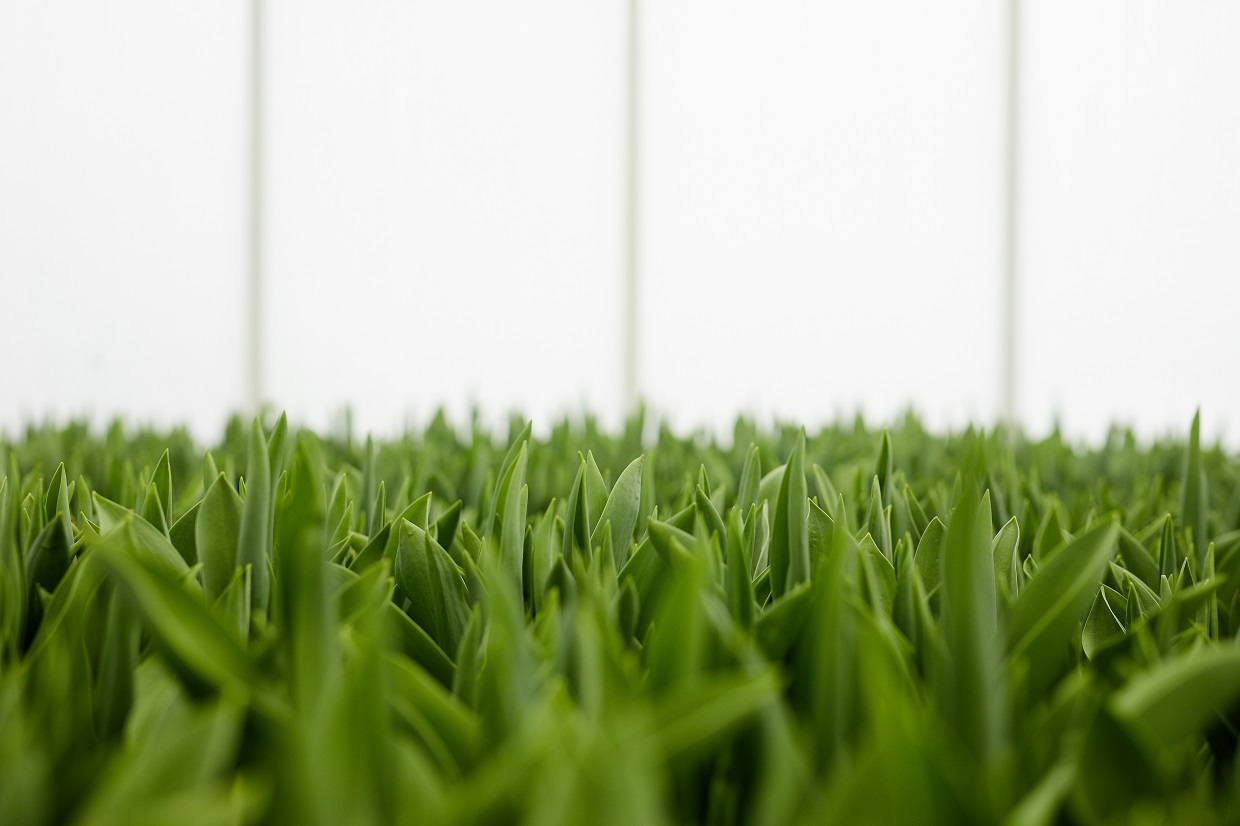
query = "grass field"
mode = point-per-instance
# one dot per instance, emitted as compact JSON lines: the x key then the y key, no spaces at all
{"x":848,"y":626}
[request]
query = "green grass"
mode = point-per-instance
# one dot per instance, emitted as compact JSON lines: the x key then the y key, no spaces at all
{"x":853,"y":626}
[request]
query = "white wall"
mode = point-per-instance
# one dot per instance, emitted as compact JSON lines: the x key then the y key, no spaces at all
{"x":445,"y":207}
{"x":122,"y":152}
{"x":822,"y":206}
{"x":821,"y":209}
{"x":1132,"y":214}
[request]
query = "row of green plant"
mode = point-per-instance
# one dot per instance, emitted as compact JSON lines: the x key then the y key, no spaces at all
{"x":850,"y":626}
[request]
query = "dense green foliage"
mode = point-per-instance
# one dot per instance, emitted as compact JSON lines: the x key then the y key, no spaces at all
{"x":850,"y":627}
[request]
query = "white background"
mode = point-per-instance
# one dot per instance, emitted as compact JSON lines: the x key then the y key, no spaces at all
{"x":821,"y":210}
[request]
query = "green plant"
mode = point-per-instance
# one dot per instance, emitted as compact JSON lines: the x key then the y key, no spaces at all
{"x":845,"y":627}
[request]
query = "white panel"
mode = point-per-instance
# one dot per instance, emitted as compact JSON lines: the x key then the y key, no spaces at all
{"x":122,"y":187}
{"x":1132,"y":214}
{"x":445,"y":207}
{"x":822,"y":208}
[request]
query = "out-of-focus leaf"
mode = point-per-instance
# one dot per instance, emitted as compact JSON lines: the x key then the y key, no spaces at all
{"x":180,"y":772}
{"x":1137,"y":559}
{"x":199,"y":649}
{"x":695,"y":720}
{"x":779,"y":627}
{"x":1177,"y":699}
{"x":749,"y":480}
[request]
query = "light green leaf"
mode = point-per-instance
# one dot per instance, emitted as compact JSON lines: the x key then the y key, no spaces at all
{"x":621,"y":511}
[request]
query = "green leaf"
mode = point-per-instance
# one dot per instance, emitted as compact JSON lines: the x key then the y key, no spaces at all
{"x":790,"y":529}
{"x":184,"y":535}
{"x":749,"y":480}
{"x":516,"y":449}
{"x":198,"y":648}
{"x":825,"y":678}
{"x":114,"y":680}
{"x":971,"y":689}
{"x":370,"y":481}
{"x":468,"y":660}
{"x":434,"y":586}
{"x":929,"y":555}
{"x":1049,"y":536}
{"x":905,"y":607}
{"x":144,"y":541}
{"x":512,"y":525}
{"x":162,"y":480}
{"x":821,"y":529}
{"x":778,"y":628}
{"x":1116,"y":770}
{"x":152,"y":509}
{"x":209,"y":469}
{"x":878,"y":577}
{"x":544,"y":552}
{"x":739,"y":584}
{"x":409,"y":638}
{"x":1146,"y":599}
{"x":446,"y":525}
{"x":1169,"y":560}
{"x":768,"y":488}
{"x":176,"y":774}
{"x":1105,"y":621}
{"x":699,"y":719}
{"x":826,"y":491}
{"x":594,"y":496}
{"x":709,"y":513}
{"x":621,"y":511}
{"x":254,"y":536}
{"x":915,"y":511}
{"x":1137,"y":559}
{"x":883,"y":472}
{"x":1194,"y":492}
{"x":574,"y":522}
{"x":1048,"y":613}
{"x":506,"y":684}
{"x":216,"y":532}
{"x":1003,"y":549}
{"x":878,"y":522}
{"x":418,"y":696}
{"x":308,"y":614}
{"x":232,"y":607}
{"x":275,"y":447}
{"x":1176,"y":700}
